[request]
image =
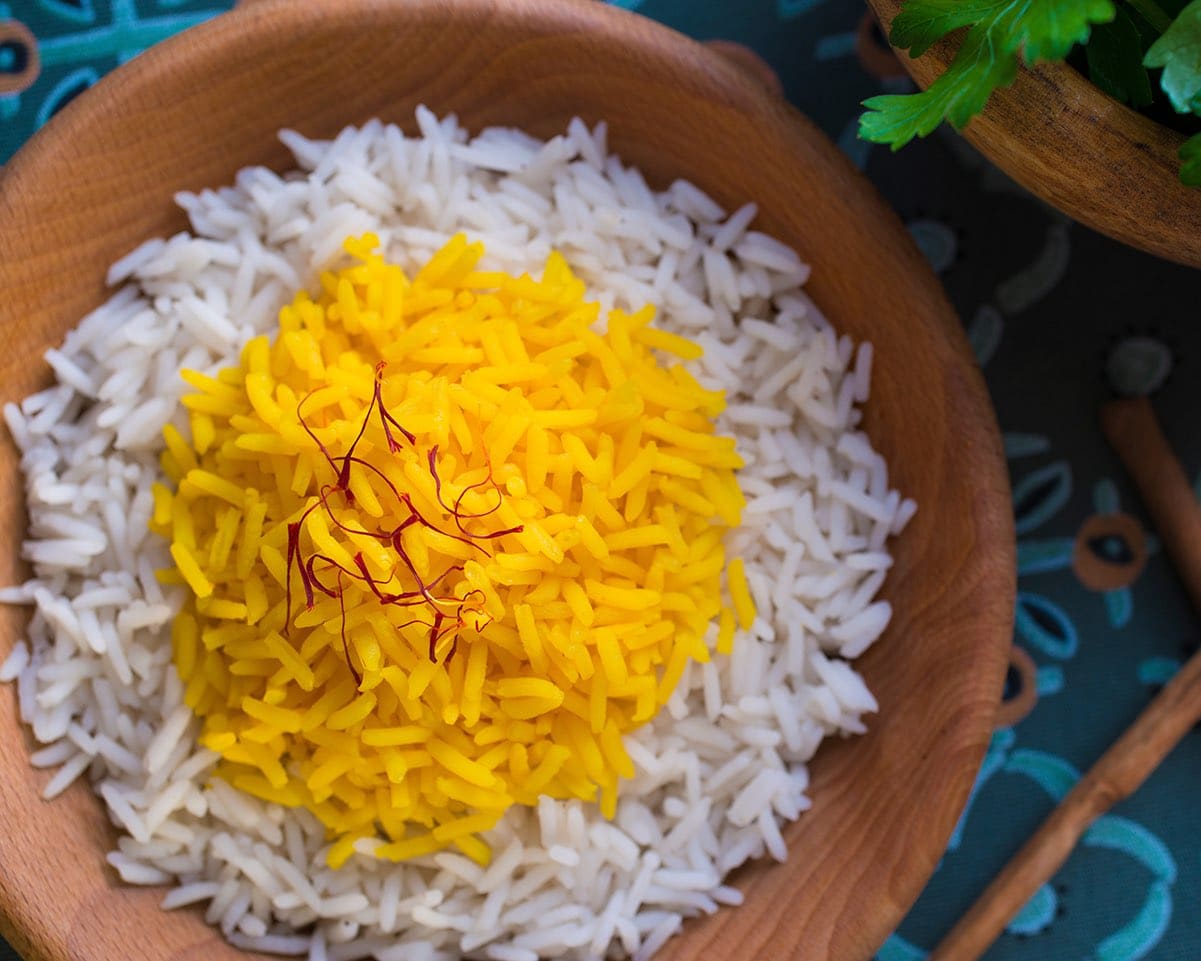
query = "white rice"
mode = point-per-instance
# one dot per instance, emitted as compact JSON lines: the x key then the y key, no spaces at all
{"x":718,"y":771}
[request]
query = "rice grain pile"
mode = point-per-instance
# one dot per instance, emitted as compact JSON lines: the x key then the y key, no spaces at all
{"x":717,"y":771}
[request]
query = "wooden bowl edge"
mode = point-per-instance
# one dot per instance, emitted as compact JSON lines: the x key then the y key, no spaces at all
{"x":1094,"y":159}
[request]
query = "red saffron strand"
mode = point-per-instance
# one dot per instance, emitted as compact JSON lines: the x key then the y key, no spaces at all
{"x":308,"y":430}
{"x":386,"y":419}
{"x":293,"y":550}
{"x":397,"y":599}
{"x":419,"y":519}
{"x":330,"y":564}
{"x":459,"y":515}
{"x":348,"y":457}
{"x":458,"y":511}
{"x":312,"y":568}
{"x":358,"y":678}
{"x":439,"y":617}
{"x":421,"y":586}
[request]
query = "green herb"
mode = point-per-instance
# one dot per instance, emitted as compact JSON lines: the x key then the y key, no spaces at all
{"x":1178,"y":51}
{"x":1115,"y":61}
{"x":1190,"y":161}
{"x":1121,"y":39}
{"x":1158,"y":20}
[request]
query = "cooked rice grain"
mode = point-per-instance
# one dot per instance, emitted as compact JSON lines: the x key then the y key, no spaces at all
{"x":716,"y":772}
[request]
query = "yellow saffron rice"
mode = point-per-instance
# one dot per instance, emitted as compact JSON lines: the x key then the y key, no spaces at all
{"x":569,"y":631}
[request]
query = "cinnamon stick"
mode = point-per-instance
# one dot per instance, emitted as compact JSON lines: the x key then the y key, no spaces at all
{"x":1134,"y":432}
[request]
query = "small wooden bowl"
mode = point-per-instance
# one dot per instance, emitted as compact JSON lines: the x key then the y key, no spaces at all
{"x":189,"y":113}
{"x":1081,"y":151}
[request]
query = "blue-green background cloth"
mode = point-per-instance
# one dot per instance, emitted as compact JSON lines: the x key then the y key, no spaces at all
{"x":1059,"y":318}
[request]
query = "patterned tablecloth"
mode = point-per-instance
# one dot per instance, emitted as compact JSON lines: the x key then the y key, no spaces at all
{"x":1060,"y":318}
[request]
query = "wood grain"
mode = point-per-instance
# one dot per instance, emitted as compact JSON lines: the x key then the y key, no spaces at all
{"x":1117,"y":775}
{"x":1133,"y":431}
{"x":187,"y":114}
{"x":1096,"y":160}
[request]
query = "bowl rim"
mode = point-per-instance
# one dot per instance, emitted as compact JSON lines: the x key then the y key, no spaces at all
{"x":1076,"y":148}
{"x":994,"y":518}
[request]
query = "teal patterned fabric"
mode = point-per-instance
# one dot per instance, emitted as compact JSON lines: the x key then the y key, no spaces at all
{"x":1060,"y":319}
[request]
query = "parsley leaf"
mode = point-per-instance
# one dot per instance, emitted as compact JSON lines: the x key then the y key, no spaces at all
{"x":957,"y":96}
{"x":1050,"y":28}
{"x":1115,"y":60}
{"x":1178,"y":51}
{"x":921,"y":25}
{"x":1190,"y":161}
{"x":1153,"y":14}
{"x":1001,"y":31}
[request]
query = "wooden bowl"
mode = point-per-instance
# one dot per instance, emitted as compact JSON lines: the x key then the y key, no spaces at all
{"x":1081,"y":151}
{"x":189,"y":113}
